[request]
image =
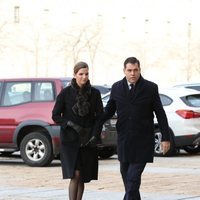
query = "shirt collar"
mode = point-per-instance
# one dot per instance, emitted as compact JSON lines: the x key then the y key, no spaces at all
{"x":129,"y":85}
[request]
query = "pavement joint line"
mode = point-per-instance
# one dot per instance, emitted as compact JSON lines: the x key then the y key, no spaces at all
{"x":51,"y":193}
{"x":188,"y":198}
{"x":158,"y":169}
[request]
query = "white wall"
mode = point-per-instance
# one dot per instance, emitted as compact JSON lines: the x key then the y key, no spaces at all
{"x":163,"y":35}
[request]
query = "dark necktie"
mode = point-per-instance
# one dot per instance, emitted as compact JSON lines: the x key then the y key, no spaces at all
{"x":132,"y":88}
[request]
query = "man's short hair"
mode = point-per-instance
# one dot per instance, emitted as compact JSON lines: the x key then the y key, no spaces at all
{"x":131,"y":60}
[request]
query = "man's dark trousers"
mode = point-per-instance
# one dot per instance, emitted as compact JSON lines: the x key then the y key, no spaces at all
{"x":131,"y":175}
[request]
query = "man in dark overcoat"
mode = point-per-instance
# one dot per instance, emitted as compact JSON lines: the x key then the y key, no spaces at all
{"x":136,"y":100}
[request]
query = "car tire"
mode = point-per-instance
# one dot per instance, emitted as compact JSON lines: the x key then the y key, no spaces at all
{"x":192,"y":149}
{"x":106,"y":152}
{"x":36,"y":149}
{"x":158,"y":149}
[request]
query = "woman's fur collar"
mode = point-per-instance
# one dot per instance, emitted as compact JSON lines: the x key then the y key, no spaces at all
{"x":82,"y":105}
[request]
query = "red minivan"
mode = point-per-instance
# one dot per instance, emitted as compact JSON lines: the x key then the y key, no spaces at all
{"x":25,"y":120}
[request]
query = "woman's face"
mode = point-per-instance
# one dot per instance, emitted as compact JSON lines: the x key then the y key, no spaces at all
{"x":82,"y":76}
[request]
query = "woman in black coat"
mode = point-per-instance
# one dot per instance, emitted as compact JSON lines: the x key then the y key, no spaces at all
{"x":76,"y":110}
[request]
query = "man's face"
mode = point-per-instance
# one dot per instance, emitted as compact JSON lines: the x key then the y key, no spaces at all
{"x":132,"y":72}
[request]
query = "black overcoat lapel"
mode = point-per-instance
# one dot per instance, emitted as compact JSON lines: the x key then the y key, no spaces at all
{"x":139,"y":86}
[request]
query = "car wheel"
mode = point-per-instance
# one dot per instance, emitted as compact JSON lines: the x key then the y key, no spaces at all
{"x":158,"y":148}
{"x":36,"y":149}
{"x":106,"y":152}
{"x":193,"y":149}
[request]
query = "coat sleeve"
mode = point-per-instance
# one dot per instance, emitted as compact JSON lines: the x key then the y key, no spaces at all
{"x":109,"y":111}
{"x":160,"y":115}
{"x":110,"y":108}
{"x":57,"y":112}
{"x":98,"y":113}
{"x":99,"y":106}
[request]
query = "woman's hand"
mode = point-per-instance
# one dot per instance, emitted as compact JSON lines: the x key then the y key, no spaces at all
{"x":76,"y":127}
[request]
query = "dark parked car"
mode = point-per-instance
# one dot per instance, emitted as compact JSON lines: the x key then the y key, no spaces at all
{"x":25,"y":120}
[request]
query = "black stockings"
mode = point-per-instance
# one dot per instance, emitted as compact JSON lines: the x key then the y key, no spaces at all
{"x":76,"y":187}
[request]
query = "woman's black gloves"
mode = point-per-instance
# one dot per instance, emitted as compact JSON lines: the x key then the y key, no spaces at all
{"x":76,"y":127}
{"x":84,"y":133}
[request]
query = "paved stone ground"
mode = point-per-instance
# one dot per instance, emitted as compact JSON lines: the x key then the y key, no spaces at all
{"x":174,"y":178}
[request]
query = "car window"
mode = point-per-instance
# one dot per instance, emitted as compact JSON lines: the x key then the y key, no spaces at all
{"x":65,"y":83}
{"x":192,"y":100}
{"x":16,"y":93}
{"x":0,"y":87}
{"x":194,"y":87}
{"x":105,"y":98}
{"x":165,"y":100}
{"x":43,"y":91}
{"x":102,"y":89}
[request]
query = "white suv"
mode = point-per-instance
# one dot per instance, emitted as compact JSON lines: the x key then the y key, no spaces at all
{"x":182,"y":107}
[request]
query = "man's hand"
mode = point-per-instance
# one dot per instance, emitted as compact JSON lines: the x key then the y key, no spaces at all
{"x":165,"y":146}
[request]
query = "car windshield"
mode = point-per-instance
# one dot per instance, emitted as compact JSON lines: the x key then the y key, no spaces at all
{"x":194,"y":87}
{"x":103,"y":89}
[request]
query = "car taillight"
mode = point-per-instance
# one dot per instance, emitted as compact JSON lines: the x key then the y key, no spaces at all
{"x":188,"y":114}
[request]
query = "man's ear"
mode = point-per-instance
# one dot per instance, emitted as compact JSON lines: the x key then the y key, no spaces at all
{"x":124,"y":70}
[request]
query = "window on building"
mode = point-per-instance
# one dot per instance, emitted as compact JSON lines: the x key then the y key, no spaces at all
{"x":16,"y":14}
